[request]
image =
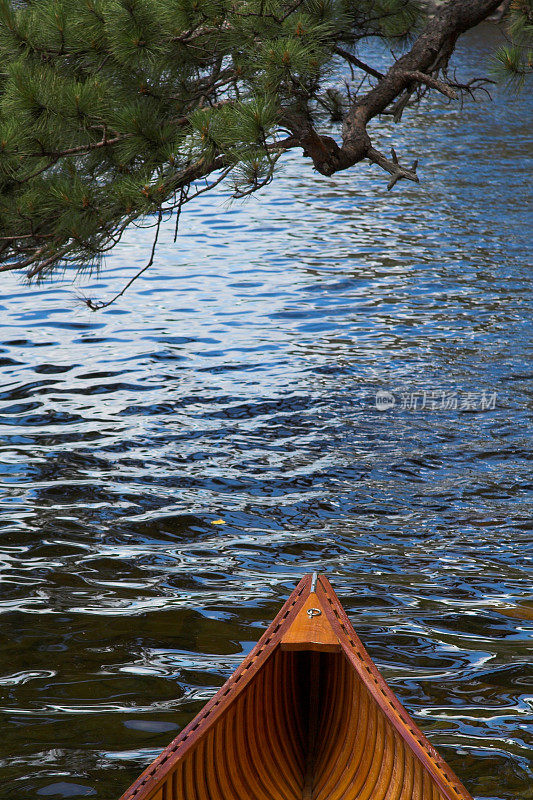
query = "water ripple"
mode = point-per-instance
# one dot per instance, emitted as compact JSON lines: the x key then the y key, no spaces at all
{"x":237,"y":382}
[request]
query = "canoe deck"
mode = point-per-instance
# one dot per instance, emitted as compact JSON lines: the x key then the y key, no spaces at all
{"x":306,"y":716}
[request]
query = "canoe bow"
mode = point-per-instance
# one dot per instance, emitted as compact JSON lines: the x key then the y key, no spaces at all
{"x":306,"y":716}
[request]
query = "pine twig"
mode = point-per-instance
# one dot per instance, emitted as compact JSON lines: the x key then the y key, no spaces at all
{"x":393,"y":167}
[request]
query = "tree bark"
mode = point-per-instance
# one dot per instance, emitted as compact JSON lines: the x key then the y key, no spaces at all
{"x":430,"y":52}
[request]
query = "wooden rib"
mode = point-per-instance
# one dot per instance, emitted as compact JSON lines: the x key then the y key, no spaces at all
{"x":221,"y":766}
{"x":448,"y":784}
{"x":348,"y":745}
{"x":233,"y":756}
{"x":371,"y":734}
{"x":177,"y":783}
{"x":383,"y":771}
{"x":396,"y":782}
{"x":188,"y":777}
{"x":409,"y":775}
{"x":417,"y":783}
{"x":288,"y":709}
{"x":247,"y":764}
{"x":267,"y":767}
{"x":269,"y":741}
{"x":271,"y":770}
{"x":244,"y":755}
{"x":341,"y":696}
{"x":368,"y":759}
{"x":244,"y":777}
{"x":427,"y":785}
{"x":376,"y":759}
{"x":212,"y":756}
{"x":255,"y":741}
{"x":282,"y":745}
{"x":201,"y":776}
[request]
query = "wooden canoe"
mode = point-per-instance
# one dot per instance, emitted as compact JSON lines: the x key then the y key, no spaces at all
{"x":306,"y":716}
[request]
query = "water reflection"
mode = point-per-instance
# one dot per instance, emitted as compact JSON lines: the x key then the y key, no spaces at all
{"x":237,"y":381}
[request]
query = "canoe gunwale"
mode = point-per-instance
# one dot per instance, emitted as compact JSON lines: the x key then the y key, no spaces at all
{"x":275,"y":640}
{"x":355,"y":651}
{"x":220,"y":702}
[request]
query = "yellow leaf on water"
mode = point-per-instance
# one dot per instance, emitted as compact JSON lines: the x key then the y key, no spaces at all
{"x":218,"y":522}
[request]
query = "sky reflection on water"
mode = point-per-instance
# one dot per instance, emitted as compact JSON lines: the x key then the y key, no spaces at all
{"x":237,"y":380}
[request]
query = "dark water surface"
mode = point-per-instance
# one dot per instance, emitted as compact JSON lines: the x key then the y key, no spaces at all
{"x":237,"y":381}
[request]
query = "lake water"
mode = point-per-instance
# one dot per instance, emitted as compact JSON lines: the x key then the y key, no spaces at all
{"x":237,"y":381}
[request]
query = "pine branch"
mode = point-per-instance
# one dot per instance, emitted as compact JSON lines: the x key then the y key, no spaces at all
{"x":356,"y":62}
{"x":98,"y":305}
{"x":430,"y":50}
{"x":104,"y":127}
{"x":393,"y":167}
{"x":430,"y":80}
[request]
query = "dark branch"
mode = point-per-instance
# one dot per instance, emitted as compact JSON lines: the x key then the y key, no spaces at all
{"x":421,"y":69}
{"x":393,"y":167}
{"x":429,"y":53}
{"x":434,"y":83}
{"x":356,"y":62}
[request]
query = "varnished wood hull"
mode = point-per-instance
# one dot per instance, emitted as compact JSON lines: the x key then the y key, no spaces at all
{"x":307,"y":716}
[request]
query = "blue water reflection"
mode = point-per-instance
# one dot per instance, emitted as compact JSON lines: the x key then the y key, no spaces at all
{"x":237,"y":381}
